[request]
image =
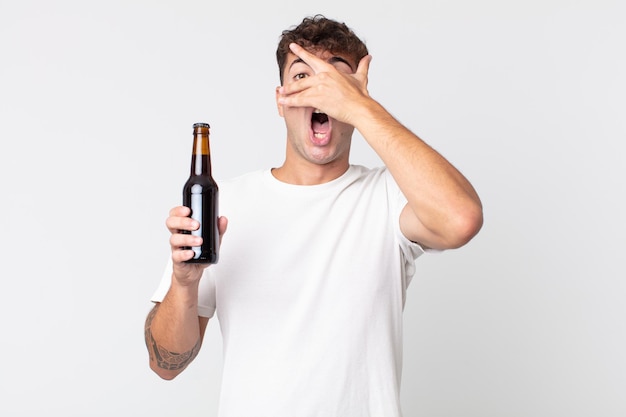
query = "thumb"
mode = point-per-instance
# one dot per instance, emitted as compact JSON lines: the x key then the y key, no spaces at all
{"x":222,"y":224}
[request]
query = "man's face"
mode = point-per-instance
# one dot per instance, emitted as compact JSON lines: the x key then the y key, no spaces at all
{"x":312,"y":135}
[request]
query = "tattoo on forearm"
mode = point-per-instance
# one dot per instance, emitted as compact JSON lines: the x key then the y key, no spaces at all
{"x":164,"y":358}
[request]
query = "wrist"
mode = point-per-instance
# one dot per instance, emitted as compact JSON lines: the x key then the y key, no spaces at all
{"x":185,"y":290}
{"x":368,"y":115}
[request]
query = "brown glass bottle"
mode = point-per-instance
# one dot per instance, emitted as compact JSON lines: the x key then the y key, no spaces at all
{"x":200,"y":194}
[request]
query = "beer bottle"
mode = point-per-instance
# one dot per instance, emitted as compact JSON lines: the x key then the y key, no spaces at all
{"x":200,"y":194}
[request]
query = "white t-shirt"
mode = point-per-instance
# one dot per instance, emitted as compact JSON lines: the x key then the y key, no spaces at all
{"x":309,"y":293}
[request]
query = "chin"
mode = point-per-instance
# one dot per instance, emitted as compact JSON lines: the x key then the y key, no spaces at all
{"x":324,"y":159}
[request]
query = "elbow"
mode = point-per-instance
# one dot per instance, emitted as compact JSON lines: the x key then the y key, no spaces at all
{"x":462,"y":227}
{"x":165,"y":374}
{"x":445,"y":229}
{"x":467,"y":225}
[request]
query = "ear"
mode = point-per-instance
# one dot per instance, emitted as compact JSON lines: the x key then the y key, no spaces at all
{"x":278,"y":105}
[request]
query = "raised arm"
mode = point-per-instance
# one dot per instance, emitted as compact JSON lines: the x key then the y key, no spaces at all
{"x":173,"y":329}
{"x":443,"y":210}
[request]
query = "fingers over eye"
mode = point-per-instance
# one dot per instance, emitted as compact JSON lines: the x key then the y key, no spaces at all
{"x":310,"y":59}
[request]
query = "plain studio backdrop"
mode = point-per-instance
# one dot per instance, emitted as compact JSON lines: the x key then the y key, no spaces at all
{"x":526,"y":98}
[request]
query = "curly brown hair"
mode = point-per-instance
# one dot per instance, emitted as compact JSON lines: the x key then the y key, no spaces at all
{"x":320,"y":33}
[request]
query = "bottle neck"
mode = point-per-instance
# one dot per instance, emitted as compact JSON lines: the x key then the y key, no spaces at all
{"x":201,"y":155}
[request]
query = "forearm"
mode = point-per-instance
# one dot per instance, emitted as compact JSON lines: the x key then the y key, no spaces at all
{"x":441,"y":198}
{"x":172,"y":332}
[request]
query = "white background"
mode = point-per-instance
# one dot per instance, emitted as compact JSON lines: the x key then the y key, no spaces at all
{"x":526,"y":98}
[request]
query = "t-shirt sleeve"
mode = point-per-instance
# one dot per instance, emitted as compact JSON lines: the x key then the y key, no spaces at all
{"x":164,"y":284}
{"x":206,"y":292}
{"x":410,"y":250}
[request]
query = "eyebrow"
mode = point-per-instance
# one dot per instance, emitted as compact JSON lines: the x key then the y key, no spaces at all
{"x":332,"y":60}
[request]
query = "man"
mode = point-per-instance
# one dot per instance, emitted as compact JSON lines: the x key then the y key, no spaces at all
{"x":310,"y":286}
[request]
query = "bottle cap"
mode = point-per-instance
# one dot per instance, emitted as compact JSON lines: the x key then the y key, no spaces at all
{"x":197,"y":125}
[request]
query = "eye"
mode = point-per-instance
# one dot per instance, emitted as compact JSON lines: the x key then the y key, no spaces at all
{"x":300,"y":76}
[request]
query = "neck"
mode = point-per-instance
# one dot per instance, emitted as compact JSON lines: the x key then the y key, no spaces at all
{"x":307,"y":173}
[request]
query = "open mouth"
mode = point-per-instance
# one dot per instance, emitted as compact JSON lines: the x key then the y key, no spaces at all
{"x":319,"y":117}
{"x":320,"y":125}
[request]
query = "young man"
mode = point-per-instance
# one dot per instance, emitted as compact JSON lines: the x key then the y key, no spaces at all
{"x":310,"y":286}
